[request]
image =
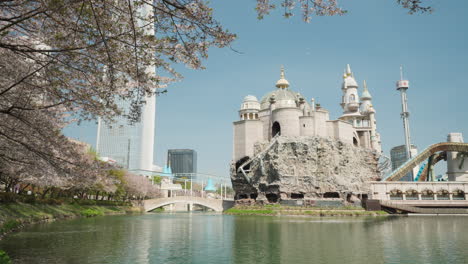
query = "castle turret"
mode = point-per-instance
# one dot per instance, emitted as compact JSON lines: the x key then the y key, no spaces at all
{"x":248,"y":129}
{"x":350,"y":100}
{"x":366,"y":99}
{"x":249,"y":108}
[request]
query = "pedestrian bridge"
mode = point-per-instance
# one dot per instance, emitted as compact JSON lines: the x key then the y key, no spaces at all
{"x":217,"y":205}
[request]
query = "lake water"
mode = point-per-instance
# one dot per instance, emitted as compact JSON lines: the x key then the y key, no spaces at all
{"x":205,"y":238}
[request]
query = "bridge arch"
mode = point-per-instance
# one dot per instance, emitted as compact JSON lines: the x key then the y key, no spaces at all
{"x":214,"y":204}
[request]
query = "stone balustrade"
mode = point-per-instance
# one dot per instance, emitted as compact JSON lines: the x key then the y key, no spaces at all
{"x":420,"y":192}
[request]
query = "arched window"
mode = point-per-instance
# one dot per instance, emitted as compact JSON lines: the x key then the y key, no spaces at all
{"x":411,"y":194}
{"x":458,"y":195}
{"x":396,"y":194}
{"x":352,"y":98}
{"x":443,"y":194}
{"x":251,"y":116}
{"x":355,"y":142}
{"x":427,"y":195}
{"x":276,"y":129}
{"x":256,"y":116}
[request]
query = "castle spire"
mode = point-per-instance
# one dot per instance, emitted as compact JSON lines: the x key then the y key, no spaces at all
{"x":282,"y":82}
{"x":365,"y":94}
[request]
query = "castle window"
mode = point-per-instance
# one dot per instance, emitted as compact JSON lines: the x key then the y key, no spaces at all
{"x":352,"y":98}
{"x":355,"y":142}
{"x":276,"y":129}
{"x":251,"y":116}
{"x":303,"y":125}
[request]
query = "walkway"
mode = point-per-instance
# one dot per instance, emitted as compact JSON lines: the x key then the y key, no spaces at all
{"x":417,"y":210}
{"x":217,"y":205}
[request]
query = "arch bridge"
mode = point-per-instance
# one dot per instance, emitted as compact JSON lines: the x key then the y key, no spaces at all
{"x":217,"y":205}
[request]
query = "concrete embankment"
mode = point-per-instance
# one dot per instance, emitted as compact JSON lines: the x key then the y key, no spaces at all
{"x":279,"y":210}
{"x":14,"y":216}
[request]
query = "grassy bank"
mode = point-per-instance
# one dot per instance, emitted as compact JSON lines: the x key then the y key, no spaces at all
{"x":277,"y":210}
{"x":16,"y":215}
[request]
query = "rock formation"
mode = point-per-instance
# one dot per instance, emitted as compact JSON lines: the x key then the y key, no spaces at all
{"x":305,"y":167}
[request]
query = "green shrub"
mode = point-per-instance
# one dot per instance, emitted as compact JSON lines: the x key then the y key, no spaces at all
{"x":91,"y":212}
{"x":8,"y":197}
{"x":4,"y":259}
{"x":53,"y":201}
{"x":84,"y":202}
{"x":9,"y":225}
{"x":30,"y":199}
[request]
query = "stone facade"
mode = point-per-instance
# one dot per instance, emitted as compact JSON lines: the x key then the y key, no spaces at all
{"x":306,"y":167}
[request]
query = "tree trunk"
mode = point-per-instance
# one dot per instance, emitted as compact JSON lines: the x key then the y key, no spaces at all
{"x":45,"y":192}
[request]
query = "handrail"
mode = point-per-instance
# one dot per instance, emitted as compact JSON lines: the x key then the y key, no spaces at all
{"x":410,"y":164}
{"x":241,"y":167}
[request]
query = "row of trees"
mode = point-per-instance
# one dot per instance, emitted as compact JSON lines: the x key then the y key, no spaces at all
{"x":64,"y":61}
{"x":87,"y":178}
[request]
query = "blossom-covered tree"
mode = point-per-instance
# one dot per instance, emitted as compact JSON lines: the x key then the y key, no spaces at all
{"x":309,"y":8}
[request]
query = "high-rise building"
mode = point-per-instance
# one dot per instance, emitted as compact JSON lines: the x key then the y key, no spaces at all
{"x":399,"y":156}
{"x":182,"y":161}
{"x":131,"y":145}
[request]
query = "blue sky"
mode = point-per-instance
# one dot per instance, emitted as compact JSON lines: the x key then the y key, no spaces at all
{"x":375,"y":37}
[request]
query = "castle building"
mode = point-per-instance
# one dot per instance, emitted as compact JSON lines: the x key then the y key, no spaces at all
{"x":288,"y":113}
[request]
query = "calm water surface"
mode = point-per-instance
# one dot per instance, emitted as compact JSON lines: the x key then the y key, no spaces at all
{"x":214,"y":238}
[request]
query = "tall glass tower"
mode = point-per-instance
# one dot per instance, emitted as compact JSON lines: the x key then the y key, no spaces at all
{"x":131,"y":145}
{"x":120,"y":141}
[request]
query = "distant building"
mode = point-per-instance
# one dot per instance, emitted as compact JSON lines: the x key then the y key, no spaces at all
{"x":398,"y":157}
{"x":132,"y":145}
{"x":129,"y":145}
{"x":182,"y":161}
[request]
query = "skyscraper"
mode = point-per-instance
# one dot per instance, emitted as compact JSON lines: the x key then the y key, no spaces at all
{"x":131,"y":145}
{"x":182,"y":160}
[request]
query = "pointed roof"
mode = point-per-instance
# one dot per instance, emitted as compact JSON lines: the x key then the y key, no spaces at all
{"x":348,"y":78}
{"x":365,"y":94}
{"x":282,"y":82}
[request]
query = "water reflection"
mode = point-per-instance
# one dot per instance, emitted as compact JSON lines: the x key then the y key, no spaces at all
{"x":214,"y":238}
{"x":307,"y":240}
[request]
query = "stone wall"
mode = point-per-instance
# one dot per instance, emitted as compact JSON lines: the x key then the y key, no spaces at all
{"x":306,"y":168}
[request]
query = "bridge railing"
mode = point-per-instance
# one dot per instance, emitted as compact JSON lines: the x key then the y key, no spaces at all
{"x":198,"y":193}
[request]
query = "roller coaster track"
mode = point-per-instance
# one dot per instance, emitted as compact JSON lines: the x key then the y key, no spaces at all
{"x":426,"y":174}
{"x":406,"y":167}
